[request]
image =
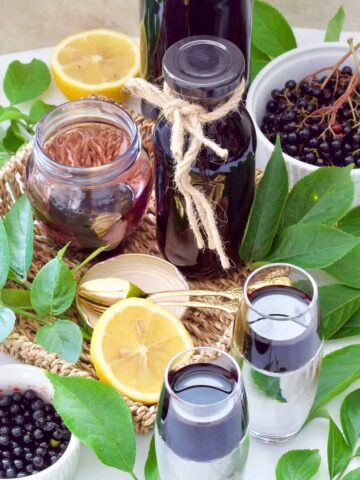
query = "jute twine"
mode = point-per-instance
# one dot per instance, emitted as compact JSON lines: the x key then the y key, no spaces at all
{"x":207,"y":327}
{"x":188,"y":119}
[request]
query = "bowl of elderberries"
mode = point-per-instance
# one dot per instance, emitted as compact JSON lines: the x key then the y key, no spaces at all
{"x":34,"y":442}
{"x":310,"y":97}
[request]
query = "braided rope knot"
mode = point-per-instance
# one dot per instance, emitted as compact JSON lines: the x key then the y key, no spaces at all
{"x":188,"y":119}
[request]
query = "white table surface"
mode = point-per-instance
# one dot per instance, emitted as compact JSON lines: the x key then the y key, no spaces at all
{"x":262,"y":458}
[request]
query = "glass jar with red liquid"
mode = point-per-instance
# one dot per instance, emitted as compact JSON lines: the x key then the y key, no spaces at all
{"x":206,"y":70}
{"x":88,"y":178}
{"x":164,"y":22}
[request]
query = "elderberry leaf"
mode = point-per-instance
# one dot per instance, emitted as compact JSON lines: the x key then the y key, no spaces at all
{"x":311,"y":245}
{"x":14,"y":297}
{"x":323,"y":196}
{"x":258,"y":61}
{"x":298,"y":465}
{"x":53,"y":289}
{"x":351,"y":327}
{"x":7,"y":322}
{"x":63,"y":337}
{"x":335,"y":26}
{"x":19,"y":227}
{"x":338,"y":304}
{"x":4,"y":255}
{"x":99,"y":417}
{"x":151,"y":467}
{"x":272,"y":33}
{"x":350,"y":418}
{"x":337,"y":450}
{"x":339,"y":370}
{"x":350,"y":223}
{"x":267,"y":209}
{"x":13,"y":139}
{"x":25,"y":81}
{"x":347,"y":269}
{"x":39,"y":109}
{"x":353,"y":475}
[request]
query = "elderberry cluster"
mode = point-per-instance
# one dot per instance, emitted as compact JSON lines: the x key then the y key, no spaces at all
{"x":32,"y":435}
{"x":299,"y":114}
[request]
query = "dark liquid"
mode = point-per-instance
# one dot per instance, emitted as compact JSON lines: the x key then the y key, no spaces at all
{"x":229,"y":185}
{"x":202,"y":440}
{"x":279,"y":345}
{"x":167,"y":21}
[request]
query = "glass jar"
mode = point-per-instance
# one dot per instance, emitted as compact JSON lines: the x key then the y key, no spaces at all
{"x":164,"y":22}
{"x":206,"y":70}
{"x":75,"y":201}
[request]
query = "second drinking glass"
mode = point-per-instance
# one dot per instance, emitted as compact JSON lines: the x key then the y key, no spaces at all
{"x":201,"y":427}
{"x":278,"y":341}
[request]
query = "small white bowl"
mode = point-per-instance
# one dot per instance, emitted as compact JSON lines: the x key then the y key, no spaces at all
{"x":23,"y":377}
{"x":293,"y":65}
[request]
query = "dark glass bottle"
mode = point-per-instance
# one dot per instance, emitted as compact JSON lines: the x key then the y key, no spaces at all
{"x":206,"y":71}
{"x":164,"y":22}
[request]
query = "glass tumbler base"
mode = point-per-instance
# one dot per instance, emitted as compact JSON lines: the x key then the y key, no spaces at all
{"x":265,"y":438}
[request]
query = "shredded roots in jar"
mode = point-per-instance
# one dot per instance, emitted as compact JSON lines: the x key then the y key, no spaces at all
{"x":87,"y":145}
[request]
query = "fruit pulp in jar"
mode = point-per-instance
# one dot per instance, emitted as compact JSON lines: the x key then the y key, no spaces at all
{"x":229,"y":185}
{"x":86,"y":214}
{"x":212,"y":446}
{"x":281,"y":352}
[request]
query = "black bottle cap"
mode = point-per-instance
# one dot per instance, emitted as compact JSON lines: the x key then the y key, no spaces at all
{"x":203,"y":66}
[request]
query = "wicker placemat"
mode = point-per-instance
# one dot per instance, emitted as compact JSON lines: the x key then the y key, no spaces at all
{"x":207,"y":327}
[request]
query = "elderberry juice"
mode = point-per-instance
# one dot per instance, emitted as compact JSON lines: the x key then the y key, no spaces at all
{"x":278,"y":341}
{"x":201,"y":429}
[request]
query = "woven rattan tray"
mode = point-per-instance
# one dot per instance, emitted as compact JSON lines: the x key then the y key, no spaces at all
{"x":207,"y":327}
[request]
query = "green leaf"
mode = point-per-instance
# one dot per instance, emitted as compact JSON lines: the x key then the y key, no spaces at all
{"x":351,"y":327}
{"x":99,"y":417}
{"x":53,"y":289}
{"x":268,"y":386}
{"x":339,"y":370}
{"x":25,"y":81}
{"x":311,"y":245}
{"x":89,"y":259}
{"x":14,"y":297}
{"x":338,"y":303}
{"x":357,"y":453}
{"x":151,"y":468}
{"x":337,"y":450}
{"x":12,"y":113}
{"x":335,"y":26}
{"x":353,"y":475}
{"x":267,"y":209}
{"x":5,"y":257}
{"x":298,"y":465}
{"x":271,"y":32}
{"x":258,"y":61}
{"x":351,"y":222}
{"x":347,"y":269}
{"x":312,"y":200}
{"x":7,"y":322}
{"x":350,"y":418}
{"x":13,"y":140}
{"x":39,"y":109}
{"x":19,"y":228}
{"x":62,"y":337}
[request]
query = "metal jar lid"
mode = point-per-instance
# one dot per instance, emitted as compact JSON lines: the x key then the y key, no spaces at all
{"x":203,"y":66}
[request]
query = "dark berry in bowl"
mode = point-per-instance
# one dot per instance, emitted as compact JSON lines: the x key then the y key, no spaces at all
{"x":31,"y":440}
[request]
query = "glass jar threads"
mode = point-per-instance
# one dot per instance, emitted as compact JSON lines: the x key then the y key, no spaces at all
{"x":88,"y":179}
{"x":206,"y":71}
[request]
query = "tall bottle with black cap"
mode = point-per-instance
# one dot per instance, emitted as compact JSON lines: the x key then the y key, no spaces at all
{"x":164,"y":22}
{"x":206,"y":70}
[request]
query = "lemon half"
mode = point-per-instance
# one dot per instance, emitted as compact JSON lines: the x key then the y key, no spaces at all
{"x":95,"y":62}
{"x":132,"y":343}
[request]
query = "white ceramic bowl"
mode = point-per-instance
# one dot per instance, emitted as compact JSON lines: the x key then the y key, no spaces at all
{"x":295,"y":64}
{"x":23,"y":377}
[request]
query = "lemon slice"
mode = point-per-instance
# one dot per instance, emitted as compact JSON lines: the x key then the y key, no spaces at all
{"x":95,"y":62}
{"x":132,"y":343}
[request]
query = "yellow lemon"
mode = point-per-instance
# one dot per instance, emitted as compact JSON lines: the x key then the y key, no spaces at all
{"x":95,"y":62}
{"x":132,"y":343}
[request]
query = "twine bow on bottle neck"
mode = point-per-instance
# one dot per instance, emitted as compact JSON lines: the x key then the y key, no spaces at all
{"x":188,"y":119}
